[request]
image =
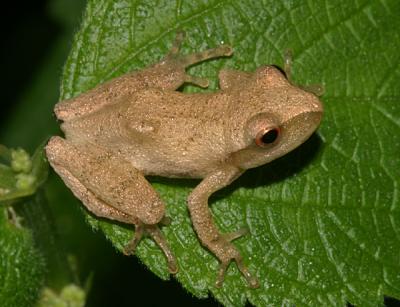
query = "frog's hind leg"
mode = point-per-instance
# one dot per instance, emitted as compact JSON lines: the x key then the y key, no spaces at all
{"x":91,"y":202}
{"x":112,"y":188}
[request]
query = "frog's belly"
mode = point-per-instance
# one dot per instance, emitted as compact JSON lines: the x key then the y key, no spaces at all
{"x":176,"y":169}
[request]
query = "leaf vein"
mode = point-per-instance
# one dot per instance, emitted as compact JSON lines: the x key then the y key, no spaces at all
{"x":179,"y":25}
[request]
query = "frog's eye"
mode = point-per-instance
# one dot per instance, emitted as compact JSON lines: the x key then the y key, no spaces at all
{"x":267,"y":136}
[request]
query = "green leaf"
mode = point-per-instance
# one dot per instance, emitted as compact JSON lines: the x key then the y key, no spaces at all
{"x":325,"y":219}
{"x":32,"y":256}
{"x":70,"y":296}
{"x":22,"y":175}
{"x":22,"y":267}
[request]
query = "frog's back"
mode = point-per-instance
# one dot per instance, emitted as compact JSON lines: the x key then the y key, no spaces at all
{"x":175,"y":134}
{"x":164,"y":133}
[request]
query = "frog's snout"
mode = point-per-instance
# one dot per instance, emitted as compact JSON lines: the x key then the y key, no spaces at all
{"x":316,"y":111}
{"x":303,"y":119}
{"x":316,"y":106}
{"x":310,"y":110}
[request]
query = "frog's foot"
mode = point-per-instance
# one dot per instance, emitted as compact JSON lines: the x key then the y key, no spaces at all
{"x":194,"y":58}
{"x":233,"y":254}
{"x":316,"y":89}
{"x":155,"y":233}
{"x":227,"y":252}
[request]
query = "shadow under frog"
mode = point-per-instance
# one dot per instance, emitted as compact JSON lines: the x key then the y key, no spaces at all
{"x":275,"y":171}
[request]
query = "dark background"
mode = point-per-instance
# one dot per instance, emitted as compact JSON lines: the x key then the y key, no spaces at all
{"x":35,"y":37}
{"x":25,"y":36}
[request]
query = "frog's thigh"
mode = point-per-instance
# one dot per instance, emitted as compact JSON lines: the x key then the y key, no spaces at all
{"x":107,"y":185}
{"x":229,"y":78}
{"x":91,"y":202}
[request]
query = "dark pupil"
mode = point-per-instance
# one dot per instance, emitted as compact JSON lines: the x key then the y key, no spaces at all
{"x":270,"y":136}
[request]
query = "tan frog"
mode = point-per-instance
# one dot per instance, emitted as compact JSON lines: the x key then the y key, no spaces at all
{"x":139,"y":124}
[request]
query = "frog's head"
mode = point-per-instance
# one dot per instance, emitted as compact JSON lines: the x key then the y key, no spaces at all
{"x":284,"y":117}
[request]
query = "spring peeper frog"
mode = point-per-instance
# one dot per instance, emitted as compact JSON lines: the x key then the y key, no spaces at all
{"x":139,"y":124}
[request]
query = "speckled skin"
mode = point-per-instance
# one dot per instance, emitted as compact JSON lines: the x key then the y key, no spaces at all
{"x":138,"y":125}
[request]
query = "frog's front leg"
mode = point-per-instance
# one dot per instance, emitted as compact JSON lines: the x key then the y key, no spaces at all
{"x":111,"y":187}
{"x":207,"y":231}
{"x":170,"y":73}
{"x":316,"y":89}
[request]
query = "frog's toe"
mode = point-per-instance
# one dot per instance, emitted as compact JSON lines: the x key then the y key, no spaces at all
{"x":197,"y":57}
{"x":130,"y":248}
{"x":252,"y":281}
{"x":287,"y":58}
{"x":230,"y":236}
{"x":176,"y":45}
{"x":316,"y":89}
{"x":201,"y":82}
{"x":172,"y":267}
{"x":155,"y":233}
{"x":193,"y":58}
{"x":159,"y":238}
